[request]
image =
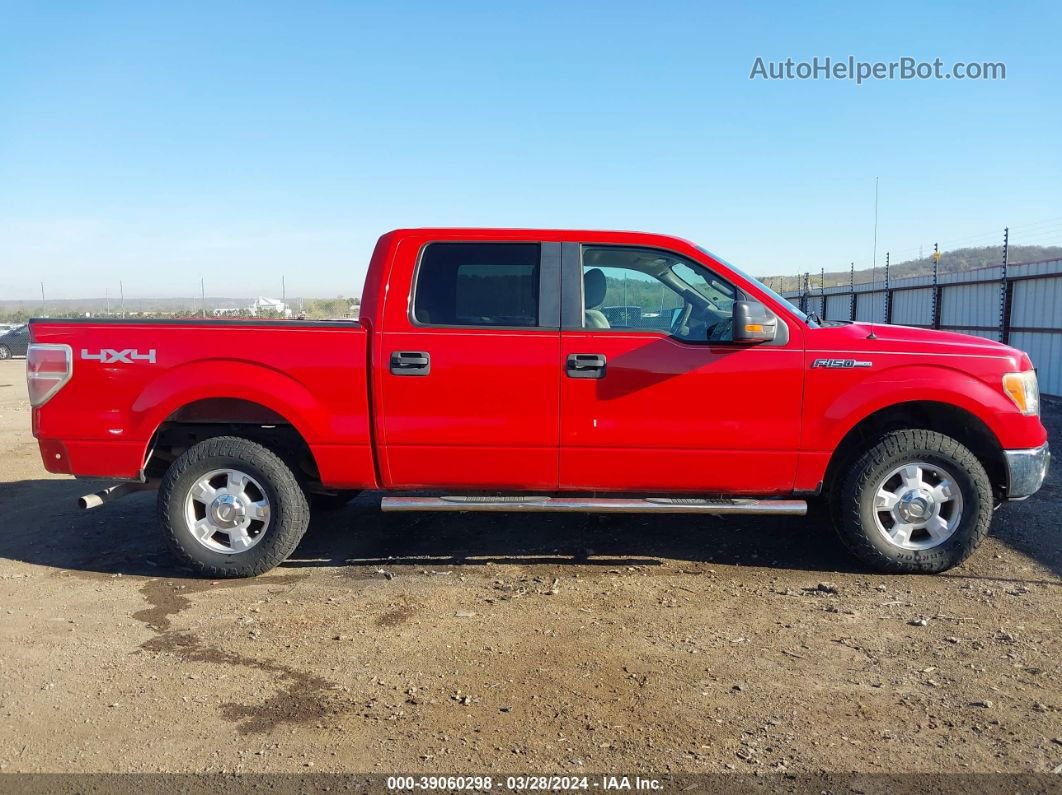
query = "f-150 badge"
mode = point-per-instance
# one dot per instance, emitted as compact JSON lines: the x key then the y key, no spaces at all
{"x":125,"y":356}
{"x":840,"y":363}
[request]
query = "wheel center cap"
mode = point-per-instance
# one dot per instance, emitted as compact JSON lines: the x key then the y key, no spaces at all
{"x":226,"y":510}
{"x":914,"y":506}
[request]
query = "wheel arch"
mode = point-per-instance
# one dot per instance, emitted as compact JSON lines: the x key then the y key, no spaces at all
{"x":947,"y":418}
{"x":211,"y":417}
{"x":215,"y":396}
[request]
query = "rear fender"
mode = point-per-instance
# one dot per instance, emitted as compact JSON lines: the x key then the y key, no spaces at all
{"x":227,"y":378}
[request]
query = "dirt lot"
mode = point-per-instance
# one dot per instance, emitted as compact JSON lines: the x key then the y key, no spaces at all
{"x":447,"y":643}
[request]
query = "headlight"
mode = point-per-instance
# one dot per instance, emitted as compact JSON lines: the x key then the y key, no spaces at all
{"x":1023,"y":389}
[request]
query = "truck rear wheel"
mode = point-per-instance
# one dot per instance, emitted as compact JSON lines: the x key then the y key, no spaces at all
{"x":232,"y":508}
{"x":916,"y":502}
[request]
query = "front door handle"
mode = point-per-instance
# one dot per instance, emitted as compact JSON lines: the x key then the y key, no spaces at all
{"x":410,"y":363}
{"x":585,"y":365}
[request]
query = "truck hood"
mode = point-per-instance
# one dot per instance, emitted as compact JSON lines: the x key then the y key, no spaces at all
{"x":879,"y":337}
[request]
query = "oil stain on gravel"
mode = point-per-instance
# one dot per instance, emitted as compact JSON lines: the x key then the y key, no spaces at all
{"x":302,"y":698}
{"x":167,"y":599}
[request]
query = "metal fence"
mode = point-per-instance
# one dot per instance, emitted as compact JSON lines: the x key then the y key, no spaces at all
{"x":1020,"y":305}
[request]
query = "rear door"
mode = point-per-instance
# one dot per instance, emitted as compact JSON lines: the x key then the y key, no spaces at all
{"x":656,"y":396}
{"x":467,"y":366}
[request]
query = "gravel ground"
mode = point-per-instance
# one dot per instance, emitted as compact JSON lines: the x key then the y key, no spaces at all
{"x":448,"y":643}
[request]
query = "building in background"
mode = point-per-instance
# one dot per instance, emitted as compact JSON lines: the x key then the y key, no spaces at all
{"x":269,"y":307}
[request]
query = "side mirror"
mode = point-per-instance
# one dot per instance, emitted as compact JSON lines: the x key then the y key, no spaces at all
{"x":753,"y":322}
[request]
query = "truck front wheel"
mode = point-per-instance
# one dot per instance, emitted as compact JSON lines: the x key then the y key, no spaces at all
{"x":232,"y":508}
{"x":916,"y":502}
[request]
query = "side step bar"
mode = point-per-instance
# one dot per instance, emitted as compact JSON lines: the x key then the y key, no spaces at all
{"x":718,"y":507}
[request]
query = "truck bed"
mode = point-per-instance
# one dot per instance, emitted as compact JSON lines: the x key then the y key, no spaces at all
{"x":131,"y":376}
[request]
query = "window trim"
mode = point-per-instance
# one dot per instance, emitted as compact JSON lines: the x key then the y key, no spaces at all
{"x":573,"y":300}
{"x":548,"y":290}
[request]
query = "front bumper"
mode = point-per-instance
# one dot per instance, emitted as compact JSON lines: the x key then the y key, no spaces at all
{"x":1026,"y":470}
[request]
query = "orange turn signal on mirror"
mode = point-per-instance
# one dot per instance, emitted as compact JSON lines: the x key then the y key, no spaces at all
{"x":756,"y":328}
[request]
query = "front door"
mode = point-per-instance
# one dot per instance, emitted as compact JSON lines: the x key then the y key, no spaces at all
{"x":656,"y":397}
{"x":467,"y":368}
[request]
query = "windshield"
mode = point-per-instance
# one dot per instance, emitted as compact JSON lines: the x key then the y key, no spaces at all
{"x":780,"y":299}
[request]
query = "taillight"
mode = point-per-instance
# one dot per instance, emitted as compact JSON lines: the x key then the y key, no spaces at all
{"x":48,"y":368}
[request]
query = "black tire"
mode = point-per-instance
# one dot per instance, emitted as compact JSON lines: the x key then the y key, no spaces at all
{"x":288,"y":509}
{"x":855,"y":507}
{"x":331,"y":502}
{"x":5,"y":352}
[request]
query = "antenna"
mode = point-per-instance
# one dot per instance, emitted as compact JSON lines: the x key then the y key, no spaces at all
{"x":874,"y":256}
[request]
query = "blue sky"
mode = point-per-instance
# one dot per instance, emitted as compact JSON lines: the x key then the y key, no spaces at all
{"x":158,"y":142}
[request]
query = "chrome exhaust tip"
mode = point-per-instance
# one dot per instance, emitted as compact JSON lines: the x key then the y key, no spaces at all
{"x":110,"y":494}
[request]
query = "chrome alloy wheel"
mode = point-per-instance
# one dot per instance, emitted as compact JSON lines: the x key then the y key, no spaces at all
{"x":917,"y":506}
{"x":227,"y":511}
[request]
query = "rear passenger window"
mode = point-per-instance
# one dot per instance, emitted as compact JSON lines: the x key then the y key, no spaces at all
{"x":478,"y":284}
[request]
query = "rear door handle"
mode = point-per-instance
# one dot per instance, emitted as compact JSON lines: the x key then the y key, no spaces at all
{"x":585,"y":365}
{"x":410,"y":363}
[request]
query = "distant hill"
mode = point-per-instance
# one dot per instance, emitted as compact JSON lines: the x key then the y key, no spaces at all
{"x":955,"y":261}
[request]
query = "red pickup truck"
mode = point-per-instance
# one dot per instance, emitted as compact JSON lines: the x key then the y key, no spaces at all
{"x":544,"y":370}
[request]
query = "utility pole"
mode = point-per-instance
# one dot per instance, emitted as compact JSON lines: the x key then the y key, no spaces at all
{"x":202,"y":294}
{"x":283,"y":290}
{"x":888,"y":292}
{"x":44,"y":304}
{"x":851,"y":292}
{"x":1005,"y":290}
{"x":822,"y":293}
{"x":935,"y":321}
{"x":121,"y":289}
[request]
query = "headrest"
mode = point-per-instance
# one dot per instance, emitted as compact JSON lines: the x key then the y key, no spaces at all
{"x":594,"y":286}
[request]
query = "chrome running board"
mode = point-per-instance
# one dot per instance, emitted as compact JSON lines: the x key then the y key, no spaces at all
{"x":716,"y":506}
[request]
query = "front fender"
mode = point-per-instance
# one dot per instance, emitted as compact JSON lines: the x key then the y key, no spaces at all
{"x":835,"y":408}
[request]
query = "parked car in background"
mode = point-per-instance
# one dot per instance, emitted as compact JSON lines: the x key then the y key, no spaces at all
{"x":14,"y":342}
{"x":537,"y":371}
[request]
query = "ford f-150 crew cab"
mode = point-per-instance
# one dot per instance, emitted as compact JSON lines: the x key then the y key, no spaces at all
{"x":544,"y":370}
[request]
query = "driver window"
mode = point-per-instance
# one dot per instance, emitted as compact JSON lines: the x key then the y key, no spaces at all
{"x":628,"y":289}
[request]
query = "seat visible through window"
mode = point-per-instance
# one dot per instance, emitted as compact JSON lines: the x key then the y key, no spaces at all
{"x":594,"y":288}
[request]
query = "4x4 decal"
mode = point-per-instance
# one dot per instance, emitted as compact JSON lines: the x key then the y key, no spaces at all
{"x":126,"y":356}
